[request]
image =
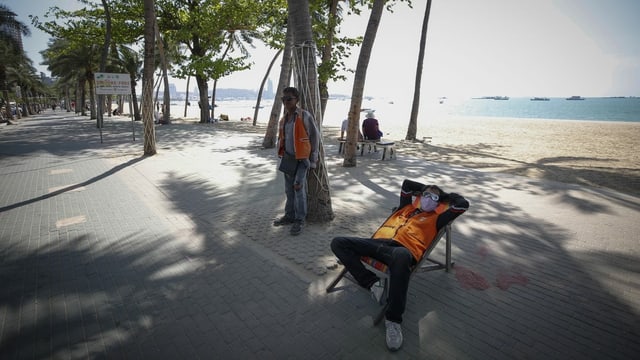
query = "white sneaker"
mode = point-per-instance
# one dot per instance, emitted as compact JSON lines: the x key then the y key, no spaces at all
{"x":377,"y":290}
{"x":394,"y":335}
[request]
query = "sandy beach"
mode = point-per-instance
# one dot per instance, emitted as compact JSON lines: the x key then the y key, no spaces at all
{"x":594,"y":153}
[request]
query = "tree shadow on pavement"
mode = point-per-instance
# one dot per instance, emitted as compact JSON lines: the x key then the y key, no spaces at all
{"x":209,"y":276}
{"x":510,"y":261}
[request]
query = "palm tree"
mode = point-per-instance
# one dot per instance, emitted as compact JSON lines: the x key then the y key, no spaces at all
{"x":327,"y":49}
{"x":264,"y":80}
{"x":269,"y":140}
{"x":358,"y":82}
{"x":132,"y":64}
{"x":84,"y":60}
{"x":319,"y":200}
{"x":103,"y":60}
{"x":69,"y":65}
{"x":166,"y":109}
{"x":147,"y":78}
{"x":24,"y":76}
{"x":413,"y":120}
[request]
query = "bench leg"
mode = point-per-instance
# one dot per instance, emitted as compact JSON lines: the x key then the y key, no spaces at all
{"x":448,"y":248}
{"x":336,"y":280}
{"x":380,"y":314}
{"x":391,"y":152}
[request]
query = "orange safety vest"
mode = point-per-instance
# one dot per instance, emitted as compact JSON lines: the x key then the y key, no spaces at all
{"x":414,"y":230}
{"x":301,"y":142}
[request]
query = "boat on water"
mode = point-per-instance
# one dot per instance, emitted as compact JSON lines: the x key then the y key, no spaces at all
{"x":493,"y":98}
{"x":575,"y":97}
{"x":539,"y":99}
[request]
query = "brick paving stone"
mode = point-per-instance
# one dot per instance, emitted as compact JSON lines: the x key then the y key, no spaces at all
{"x":106,"y":253}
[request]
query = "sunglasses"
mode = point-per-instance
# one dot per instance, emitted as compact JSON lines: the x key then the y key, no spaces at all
{"x":433,"y":196}
{"x":287,"y":98}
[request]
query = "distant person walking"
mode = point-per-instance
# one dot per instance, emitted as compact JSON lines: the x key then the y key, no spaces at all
{"x":298,"y":142}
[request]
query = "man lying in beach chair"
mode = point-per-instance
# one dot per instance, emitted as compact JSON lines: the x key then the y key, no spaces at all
{"x":398,"y":248}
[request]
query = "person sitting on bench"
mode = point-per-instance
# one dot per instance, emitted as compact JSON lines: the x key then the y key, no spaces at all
{"x":400,"y":243}
{"x":343,"y":130}
{"x":371,"y":127}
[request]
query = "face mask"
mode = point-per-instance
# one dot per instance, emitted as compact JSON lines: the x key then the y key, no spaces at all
{"x":428,"y":204}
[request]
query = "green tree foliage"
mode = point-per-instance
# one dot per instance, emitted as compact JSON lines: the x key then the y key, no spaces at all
{"x":214,"y":35}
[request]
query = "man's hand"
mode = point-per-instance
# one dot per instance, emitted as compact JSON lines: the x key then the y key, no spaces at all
{"x":297,"y":186}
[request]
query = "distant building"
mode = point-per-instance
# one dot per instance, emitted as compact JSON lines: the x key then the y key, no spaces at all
{"x":13,"y":32}
{"x":269,"y":93}
{"x":173,"y":91}
{"x":45,"y":79}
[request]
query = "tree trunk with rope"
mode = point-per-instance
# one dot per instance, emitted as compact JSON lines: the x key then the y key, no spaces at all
{"x":306,"y":80}
{"x":147,"y":79}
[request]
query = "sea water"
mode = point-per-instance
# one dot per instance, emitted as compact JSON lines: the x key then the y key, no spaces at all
{"x":602,"y":109}
{"x":394,"y":114}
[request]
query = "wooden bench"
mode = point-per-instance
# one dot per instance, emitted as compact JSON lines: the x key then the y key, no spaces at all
{"x":367,"y":143}
{"x":360,"y":145}
{"x":386,"y":146}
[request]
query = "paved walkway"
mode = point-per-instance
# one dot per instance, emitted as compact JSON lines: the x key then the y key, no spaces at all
{"x":108,"y":254}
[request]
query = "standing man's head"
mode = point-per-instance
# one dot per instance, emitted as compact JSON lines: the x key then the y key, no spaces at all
{"x":290,"y":96}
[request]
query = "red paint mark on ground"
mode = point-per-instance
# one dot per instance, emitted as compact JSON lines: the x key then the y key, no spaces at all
{"x":483,"y":251}
{"x":471,"y":280}
{"x":506,"y":278}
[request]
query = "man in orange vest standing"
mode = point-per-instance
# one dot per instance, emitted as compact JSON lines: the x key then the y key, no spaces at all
{"x":298,"y":141}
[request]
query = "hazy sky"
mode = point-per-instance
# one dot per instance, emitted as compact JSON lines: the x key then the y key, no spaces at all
{"x":474,"y":48}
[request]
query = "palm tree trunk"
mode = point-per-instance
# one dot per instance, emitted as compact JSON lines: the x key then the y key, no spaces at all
{"x":5,"y":95}
{"x":186,"y":100}
{"x":80,"y":97}
{"x":269,"y":140}
{"x":413,"y":120}
{"x":67,"y":97}
{"x":358,"y":83}
{"x":215,"y":81}
{"x":264,"y":80}
{"x":326,"y":55}
{"x":203,"y":91}
{"x":147,"y":80}
{"x":165,"y":76}
{"x":92,"y":97}
{"x":103,"y":61}
{"x":134,"y":99}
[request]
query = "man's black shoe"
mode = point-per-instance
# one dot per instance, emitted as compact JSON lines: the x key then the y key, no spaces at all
{"x":283,"y":221}
{"x":296,"y":228}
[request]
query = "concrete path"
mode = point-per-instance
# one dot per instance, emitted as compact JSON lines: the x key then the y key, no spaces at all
{"x":108,"y":254}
